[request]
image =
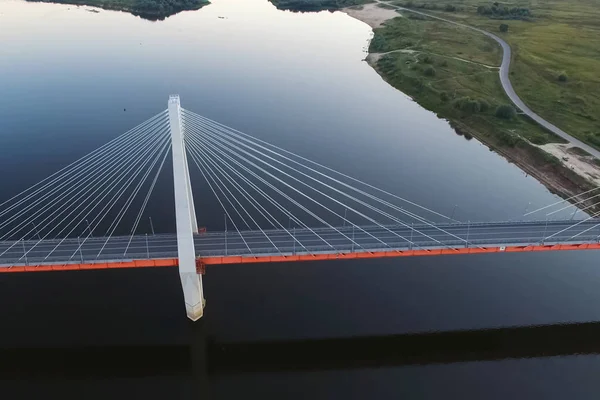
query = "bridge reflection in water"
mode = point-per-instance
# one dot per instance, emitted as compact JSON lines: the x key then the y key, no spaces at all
{"x":208,"y":357}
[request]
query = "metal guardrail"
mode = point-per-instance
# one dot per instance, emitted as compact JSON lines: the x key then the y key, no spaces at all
{"x":236,"y":247}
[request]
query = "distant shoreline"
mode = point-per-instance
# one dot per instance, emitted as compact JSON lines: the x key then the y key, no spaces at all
{"x":153,"y":10}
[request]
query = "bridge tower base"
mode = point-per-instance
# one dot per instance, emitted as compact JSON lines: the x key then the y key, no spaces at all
{"x":185,"y":215}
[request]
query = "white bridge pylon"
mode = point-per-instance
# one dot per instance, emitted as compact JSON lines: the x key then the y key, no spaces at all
{"x":185,"y":215}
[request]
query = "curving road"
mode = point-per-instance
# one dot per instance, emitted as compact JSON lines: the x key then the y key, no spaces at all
{"x":507,"y":86}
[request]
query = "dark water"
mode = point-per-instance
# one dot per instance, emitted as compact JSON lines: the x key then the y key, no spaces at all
{"x":296,"y":80}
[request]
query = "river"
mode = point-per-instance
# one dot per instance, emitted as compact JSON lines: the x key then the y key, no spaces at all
{"x":72,"y":79}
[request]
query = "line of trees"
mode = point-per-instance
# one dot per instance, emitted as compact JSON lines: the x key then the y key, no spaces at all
{"x":502,"y":12}
{"x":430,"y":6}
{"x":315,"y":5}
{"x":159,"y":9}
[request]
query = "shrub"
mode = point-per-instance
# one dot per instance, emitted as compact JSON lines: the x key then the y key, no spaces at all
{"x":419,"y":83}
{"x":428,"y":60}
{"x":467,"y":105}
{"x":471,"y":106}
{"x":378,"y":44}
{"x":509,"y":139}
{"x":484,"y":105}
{"x":562,"y":77}
{"x":538,"y":139}
{"x":429,"y":71}
{"x":449,"y":7}
{"x":502,"y":12}
{"x":503,"y":28}
{"x":444,"y":63}
{"x":505,"y":111}
{"x":444,"y":96}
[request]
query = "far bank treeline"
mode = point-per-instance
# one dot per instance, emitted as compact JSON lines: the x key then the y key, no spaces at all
{"x":316,"y":5}
{"x":147,"y":9}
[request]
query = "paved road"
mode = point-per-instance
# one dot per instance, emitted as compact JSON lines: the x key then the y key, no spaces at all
{"x":507,"y":85}
{"x":301,"y":241}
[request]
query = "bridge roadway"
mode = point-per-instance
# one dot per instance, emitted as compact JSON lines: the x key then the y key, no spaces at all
{"x":215,"y":246}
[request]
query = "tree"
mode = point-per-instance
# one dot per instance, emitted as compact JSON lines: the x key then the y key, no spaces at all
{"x":503,"y":28}
{"x":562,"y":77}
{"x":467,"y":105}
{"x":429,"y":71}
{"x":505,"y":111}
{"x":483,"y":105}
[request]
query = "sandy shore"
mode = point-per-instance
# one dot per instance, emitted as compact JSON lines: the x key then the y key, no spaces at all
{"x":582,"y":165}
{"x":371,"y":14}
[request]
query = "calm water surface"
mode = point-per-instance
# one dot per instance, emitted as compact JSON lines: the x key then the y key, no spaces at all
{"x":298,"y":81}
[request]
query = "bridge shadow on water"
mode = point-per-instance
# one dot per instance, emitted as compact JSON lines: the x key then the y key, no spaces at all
{"x":204,"y":357}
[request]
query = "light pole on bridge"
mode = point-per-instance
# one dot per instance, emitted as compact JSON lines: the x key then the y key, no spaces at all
{"x":453,"y":211}
{"x":151,"y":225}
{"x":89,"y":228}
{"x":36,"y":230}
{"x":525,"y":212}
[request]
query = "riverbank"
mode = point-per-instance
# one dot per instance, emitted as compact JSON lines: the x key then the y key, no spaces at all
{"x":153,"y":10}
{"x":556,"y":56}
{"x":316,"y":5}
{"x":454,"y":72}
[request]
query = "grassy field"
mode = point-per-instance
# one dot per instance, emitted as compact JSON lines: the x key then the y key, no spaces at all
{"x":559,"y":38}
{"x":418,"y":33}
{"x":452,"y":71}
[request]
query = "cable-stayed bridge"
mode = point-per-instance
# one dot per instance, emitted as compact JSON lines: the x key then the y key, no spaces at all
{"x":278,"y":206}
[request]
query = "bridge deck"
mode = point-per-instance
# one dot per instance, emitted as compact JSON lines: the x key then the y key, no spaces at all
{"x":280,"y":245}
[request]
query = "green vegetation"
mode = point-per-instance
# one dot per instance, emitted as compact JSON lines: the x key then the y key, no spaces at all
{"x":497,"y":11}
{"x":453,"y":71}
{"x":428,"y":6}
{"x":435,"y":37}
{"x":148,"y":9}
{"x":467,"y":105}
{"x":466,"y":93}
{"x":429,"y":71}
{"x":503,"y":28}
{"x":316,"y":5}
{"x":578,"y":151}
{"x":556,"y":38}
{"x":506,"y":111}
